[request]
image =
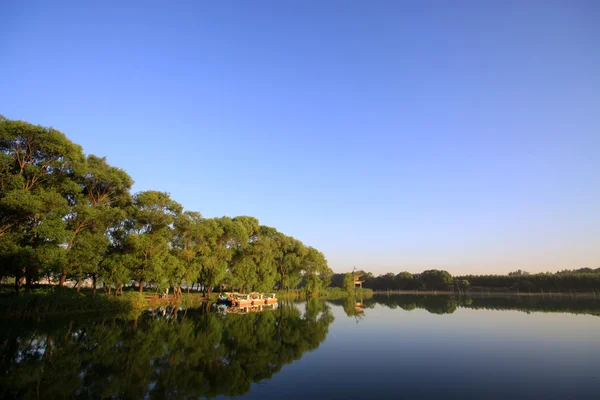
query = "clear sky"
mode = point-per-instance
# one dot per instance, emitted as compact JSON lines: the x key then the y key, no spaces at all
{"x":391,"y":135}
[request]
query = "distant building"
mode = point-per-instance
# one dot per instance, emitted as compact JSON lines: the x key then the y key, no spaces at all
{"x":358,"y":281}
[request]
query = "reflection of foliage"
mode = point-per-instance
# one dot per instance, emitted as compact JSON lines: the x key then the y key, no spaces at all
{"x":535,"y":304}
{"x":350,"y":307}
{"x":447,"y":304}
{"x":178,"y":355}
{"x":433,"y":304}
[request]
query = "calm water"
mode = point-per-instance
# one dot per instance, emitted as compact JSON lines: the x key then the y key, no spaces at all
{"x":397,"y":347}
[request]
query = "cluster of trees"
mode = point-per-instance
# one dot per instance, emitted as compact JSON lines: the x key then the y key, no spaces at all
{"x":68,"y":216}
{"x":562,"y":281}
{"x":191,"y":354}
{"x":427,"y":280}
{"x":585,"y":279}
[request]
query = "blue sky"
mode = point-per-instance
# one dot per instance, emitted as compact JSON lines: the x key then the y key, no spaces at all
{"x":391,"y":135}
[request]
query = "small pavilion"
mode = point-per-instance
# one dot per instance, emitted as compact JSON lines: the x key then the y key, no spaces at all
{"x":358,"y":281}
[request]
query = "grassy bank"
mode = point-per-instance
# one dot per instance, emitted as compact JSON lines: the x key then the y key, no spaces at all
{"x":64,"y":300}
{"x":491,"y":293}
{"x":330,"y":293}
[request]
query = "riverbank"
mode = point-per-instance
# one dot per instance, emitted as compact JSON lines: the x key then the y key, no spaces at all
{"x":57,"y":301}
{"x":330,"y":293}
{"x":489,"y":293}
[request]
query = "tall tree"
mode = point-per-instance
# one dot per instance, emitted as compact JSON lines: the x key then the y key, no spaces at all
{"x":218,"y":236}
{"x":93,"y":210}
{"x":38,"y":182}
{"x":243,"y":267}
{"x":188,"y":245}
{"x":150,"y":234}
{"x":289,"y":254}
{"x":317,"y":273}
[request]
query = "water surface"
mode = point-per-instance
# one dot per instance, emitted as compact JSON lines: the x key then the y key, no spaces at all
{"x":391,"y":347}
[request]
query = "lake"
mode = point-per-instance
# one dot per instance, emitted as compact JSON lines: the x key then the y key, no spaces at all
{"x":399,"y":346}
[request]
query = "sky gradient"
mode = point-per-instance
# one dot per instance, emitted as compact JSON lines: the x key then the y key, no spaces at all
{"x":391,"y":135}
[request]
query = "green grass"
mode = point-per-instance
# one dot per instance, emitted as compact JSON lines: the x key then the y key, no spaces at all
{"x":330,"y":293}
{"x":51,"y":301}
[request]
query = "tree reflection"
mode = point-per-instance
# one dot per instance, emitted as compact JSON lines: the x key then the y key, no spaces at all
{"x":176,"y":355}
{"x":448,"y":304}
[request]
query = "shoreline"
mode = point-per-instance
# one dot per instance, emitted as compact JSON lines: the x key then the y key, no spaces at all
{"x":479,"y":293}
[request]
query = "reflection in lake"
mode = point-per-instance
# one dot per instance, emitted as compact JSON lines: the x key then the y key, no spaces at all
{"x":402,"y":346}
{"x":189,"y":353}
{"x":448,"y":304}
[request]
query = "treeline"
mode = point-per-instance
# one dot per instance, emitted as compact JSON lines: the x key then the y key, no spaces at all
{"x":68,"y":216}
{"x":427,"y":280}
{"x":585,"y":279}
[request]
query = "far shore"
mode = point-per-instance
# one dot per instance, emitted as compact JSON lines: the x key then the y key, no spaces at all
{"x":486,"y":293}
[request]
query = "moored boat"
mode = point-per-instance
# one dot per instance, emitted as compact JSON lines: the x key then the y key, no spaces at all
{"x":246,"y":300}
{"x":270,"y":298}
{"x":242,"y":300}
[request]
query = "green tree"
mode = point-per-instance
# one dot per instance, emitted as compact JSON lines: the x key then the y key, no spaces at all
{"x":348,"y":284}
{"x":405,"y":281}
{"x":218,"y":236}
{"x":150,"y":235}
{"x":242,"y":265}
{"x":187,"y":247}
{"x":434,"y":279}
{"x":316,"y":271}
{"x":38,"y":182}
{"x":289,"y":254}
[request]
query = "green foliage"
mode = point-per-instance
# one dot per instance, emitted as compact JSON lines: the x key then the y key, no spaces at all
{"x":585,"y":279}
{"x":462,"y":284}
{"x":65,"y":216}
{"x":348,"y":284}
{"x":66,"y":301}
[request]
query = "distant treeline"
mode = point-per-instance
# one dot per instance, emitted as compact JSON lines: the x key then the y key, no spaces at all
{"x":67,"y":216}
{"x":585,"y":279}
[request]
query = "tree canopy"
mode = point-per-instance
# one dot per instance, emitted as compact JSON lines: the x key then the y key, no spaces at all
{"x":65,"y":216}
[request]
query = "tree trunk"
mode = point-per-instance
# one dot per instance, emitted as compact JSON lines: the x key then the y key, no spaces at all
{"x":79,"y":280}
{"x":17,"y":284}
{"x":28,"y":282}
{"x":141,"y":286}
{"x":94,"y":287}
{"x":68,"y":331}
{"x":63,"y":278}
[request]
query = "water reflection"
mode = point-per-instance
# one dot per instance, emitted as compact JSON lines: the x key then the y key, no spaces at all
{"x":202,"y":352}
{"x":449,"y":304}
{"x":174,"y":354}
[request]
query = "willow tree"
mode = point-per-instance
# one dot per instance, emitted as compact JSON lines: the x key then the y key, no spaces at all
{"x":317,"y":273}
{"x":264,"y":250}
{"x":188,"y":246}
{"x":242,"y":267}
{"x":150,"y":234}
{"x":39,"y":167}
{"x":104,"y":191}
{"x":218,"y":235}
{"x":288,"y":257}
